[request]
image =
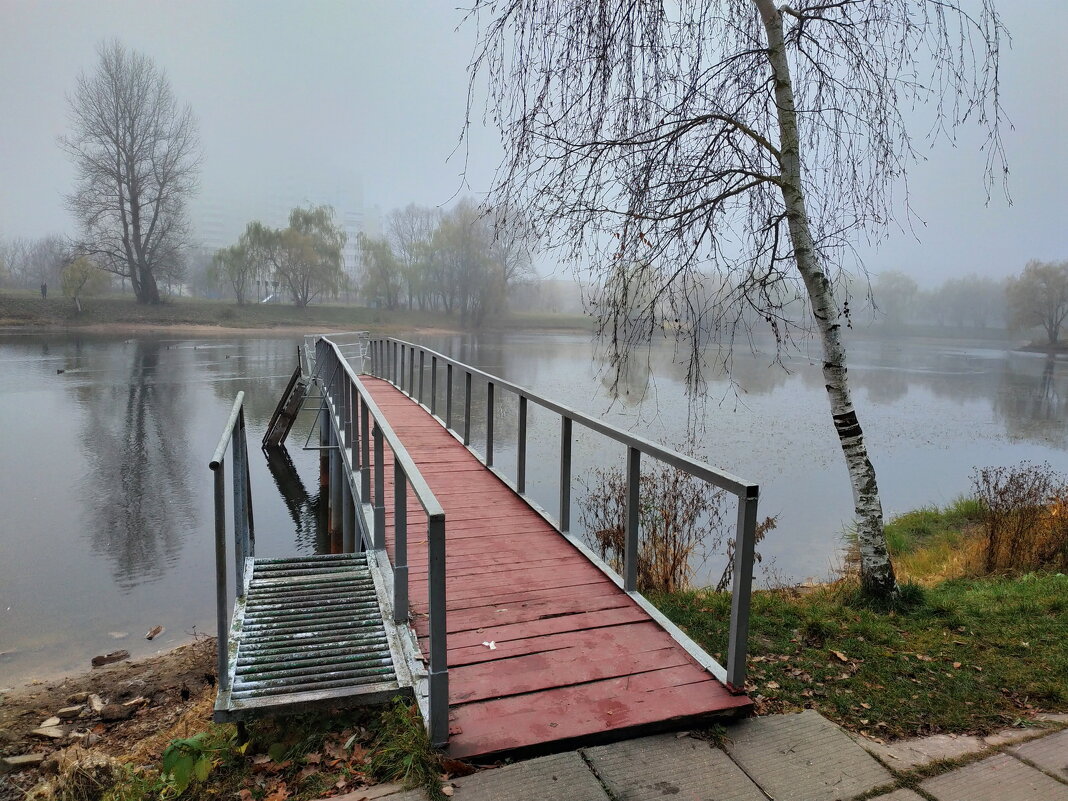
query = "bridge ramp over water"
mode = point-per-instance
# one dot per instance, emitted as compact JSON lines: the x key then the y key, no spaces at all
{"x":507,"y":630}
{"x":305,"y":631}
{"x":544,"y":649}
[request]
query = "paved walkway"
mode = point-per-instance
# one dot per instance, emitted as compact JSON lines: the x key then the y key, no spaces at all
{"x":800,"y":757}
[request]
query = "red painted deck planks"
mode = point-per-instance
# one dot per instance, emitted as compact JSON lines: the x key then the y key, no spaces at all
{"x":576,"y":657}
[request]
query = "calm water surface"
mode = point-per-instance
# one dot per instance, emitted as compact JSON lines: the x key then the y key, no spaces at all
{"x":105,"y":495}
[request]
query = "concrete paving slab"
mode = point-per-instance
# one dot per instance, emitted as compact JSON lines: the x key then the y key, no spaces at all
{"x":1050,"y":753}
{"x":997,"y":778}
{"x":561,"y":777}
{"x":1009,"y":736}
{"x":1053,"y":717}
{"x":912,"y":753}
{"x":670,"y":766}
{"x":899,"y":795}
{"x":803,"y":757}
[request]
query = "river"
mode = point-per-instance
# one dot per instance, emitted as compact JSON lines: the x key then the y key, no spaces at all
{"x":105,"y":491}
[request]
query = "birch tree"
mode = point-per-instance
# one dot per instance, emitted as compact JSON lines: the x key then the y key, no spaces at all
{"x":136,"y":154}
{"x":734,"y":139}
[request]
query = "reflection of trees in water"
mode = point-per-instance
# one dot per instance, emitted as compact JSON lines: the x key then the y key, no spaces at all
{"x":303,"y":508}
{"x":1032,"y":401}
{"x":135,"y":442}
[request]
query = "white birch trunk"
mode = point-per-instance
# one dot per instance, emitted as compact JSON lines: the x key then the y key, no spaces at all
{"x":876,"y":570}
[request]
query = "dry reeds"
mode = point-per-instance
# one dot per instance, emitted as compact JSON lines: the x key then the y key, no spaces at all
{"x":679,"y":516}
{"x":1024,"y":518}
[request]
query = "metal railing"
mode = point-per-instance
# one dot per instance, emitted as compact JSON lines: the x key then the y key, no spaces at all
{"x":353,"y":344}
{"x":244,"y":532}
{"x":361,"y":448}
{"x":405,"y":364}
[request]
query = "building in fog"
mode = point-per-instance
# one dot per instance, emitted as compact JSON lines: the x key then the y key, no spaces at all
{"x":218,"y":222}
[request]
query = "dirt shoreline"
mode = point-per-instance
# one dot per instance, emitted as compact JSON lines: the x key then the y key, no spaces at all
{"x":139,"y":705}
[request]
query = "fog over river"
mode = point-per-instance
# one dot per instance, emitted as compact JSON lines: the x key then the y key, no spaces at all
{"x":105,"y":492}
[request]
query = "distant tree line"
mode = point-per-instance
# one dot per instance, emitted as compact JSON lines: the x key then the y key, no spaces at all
{"x":972,"y":301}
{"x":304,"y":259}
{"x":1035,"y":299}
{"x":462,"y":261}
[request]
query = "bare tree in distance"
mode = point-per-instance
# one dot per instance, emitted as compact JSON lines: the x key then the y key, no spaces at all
{"x":136,"y":153}
{"x":410,"y":230}
{"x":1038,"y":298}
{"x":734,"y":140}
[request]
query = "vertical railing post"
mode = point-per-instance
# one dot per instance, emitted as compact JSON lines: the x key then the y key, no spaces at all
{"x":565,"y":473}
{"x":467,"y":409}
{"x":433,"y":384}
{"x":335,"y":524}
{"x":400,"y":544}
{"x":250,"y":529}
{"x":398,"y":374}
{"x":222,"y":644}
{"x":745,"y":543}
{"x":422,"y":366}
{"x":448,"y":397}
{"x":438,"y":673}
{"x":521,"y":448}
{"x":240,"y":512}
{"x":489,"y":424}
{"x":348,"y":518}
{"x":411,"y":373}
{"x":630,"y":531}
{"x":355,"y":420}
{"x":349,"y":394}
{"x":365,"y":454}
{"x":380,"y":490}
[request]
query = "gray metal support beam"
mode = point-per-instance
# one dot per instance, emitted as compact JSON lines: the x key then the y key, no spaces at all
{"x":380,"y":490}
{"x":521,"y":448}
{"x":400,"y":544}
{"x":630,"y":551}
{"x":489,"y":424}
{"x":467,"y":408}
{"x":565,"y":473}
{"x":438,"y":674}
{"x":745,"y":544}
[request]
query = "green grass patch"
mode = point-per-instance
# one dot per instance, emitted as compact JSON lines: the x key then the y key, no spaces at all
{"x":923,"y":527}
{"x":401,"y":752}
{"x":969,"y":656}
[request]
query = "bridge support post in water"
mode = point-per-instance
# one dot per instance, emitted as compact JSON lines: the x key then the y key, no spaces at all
{"x":335,"y":520}
{"x":348,"y":519}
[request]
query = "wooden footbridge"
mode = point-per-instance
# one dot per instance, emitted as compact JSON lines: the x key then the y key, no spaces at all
{"x":451,"y":584}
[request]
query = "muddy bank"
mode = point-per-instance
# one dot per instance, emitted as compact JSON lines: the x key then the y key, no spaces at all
{"x":118,"y":709}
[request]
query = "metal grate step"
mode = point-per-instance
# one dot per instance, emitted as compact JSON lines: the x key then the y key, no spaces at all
{"x":309,"y":630}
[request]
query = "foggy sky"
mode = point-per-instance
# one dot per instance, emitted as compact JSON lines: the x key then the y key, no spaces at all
{"x":377,"y":90}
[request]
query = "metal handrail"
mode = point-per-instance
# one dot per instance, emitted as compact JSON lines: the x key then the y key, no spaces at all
{"x":389,"y":359}
{"x":307,"y":350}
{"x":351,"y":410}
{"x":234,"y":434}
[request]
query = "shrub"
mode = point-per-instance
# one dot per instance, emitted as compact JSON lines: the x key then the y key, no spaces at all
{"x":680,"y":517}
{"x":1024,"y":513}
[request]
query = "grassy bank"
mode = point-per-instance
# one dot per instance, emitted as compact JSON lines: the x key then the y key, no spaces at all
{"x":972,"y":656}
{"x":961,"y":653}
{"x":28,"y":309}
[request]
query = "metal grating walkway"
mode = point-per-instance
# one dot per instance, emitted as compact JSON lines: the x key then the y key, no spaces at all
{"x":309,"y":631}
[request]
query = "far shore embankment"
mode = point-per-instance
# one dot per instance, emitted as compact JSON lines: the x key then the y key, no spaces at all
{"x":116,"y":314}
